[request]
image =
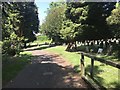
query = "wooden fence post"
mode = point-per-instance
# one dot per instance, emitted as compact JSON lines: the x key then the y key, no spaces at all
{"x":82,"y":65}
{"x":92,"y":67}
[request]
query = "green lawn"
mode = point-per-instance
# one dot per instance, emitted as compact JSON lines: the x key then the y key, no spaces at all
{"x":72,"y":57}
{"x":41,"y":39}
{"x":104,"y":74}
{"x":11,"y":66}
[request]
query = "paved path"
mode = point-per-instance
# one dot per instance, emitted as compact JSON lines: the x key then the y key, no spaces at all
{"x":47,"y":71}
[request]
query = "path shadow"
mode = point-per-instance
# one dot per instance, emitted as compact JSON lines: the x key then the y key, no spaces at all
{"x":44,"y":73}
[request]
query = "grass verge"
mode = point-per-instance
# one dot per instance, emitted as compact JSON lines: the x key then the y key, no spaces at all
{"x":11,"y":66}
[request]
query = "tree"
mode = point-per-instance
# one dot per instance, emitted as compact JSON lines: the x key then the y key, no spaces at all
{"x":9,"y":18}
{"x":29,"y":21}
{"x":86,"y":21}
{"x":114,"y":25}
{"x":81,"y":21}
{"x":114,"y":21}
{"x":75,"y":17}
{"x":19,"y":22}
{"x":98,"y":12}
{"x":53,"y":21}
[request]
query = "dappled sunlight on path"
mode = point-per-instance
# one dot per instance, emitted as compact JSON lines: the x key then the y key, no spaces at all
{"x":47,"y":70}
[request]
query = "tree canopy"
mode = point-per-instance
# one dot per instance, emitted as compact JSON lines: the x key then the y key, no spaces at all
{"x":19,"y":24}
{"x":78,"y":21}
{"x":114,"y":21}
{"x":53,"y":22}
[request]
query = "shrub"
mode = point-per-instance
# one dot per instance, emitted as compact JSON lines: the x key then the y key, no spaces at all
{"x":9,"y":48}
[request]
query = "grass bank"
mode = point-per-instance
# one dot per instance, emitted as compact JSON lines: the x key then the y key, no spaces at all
{"x":11,"y":66}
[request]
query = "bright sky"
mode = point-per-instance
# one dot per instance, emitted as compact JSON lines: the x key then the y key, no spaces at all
{"x":42,"y":7}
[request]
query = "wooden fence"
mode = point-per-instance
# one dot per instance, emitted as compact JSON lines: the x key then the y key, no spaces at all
{"x":93,"y":58}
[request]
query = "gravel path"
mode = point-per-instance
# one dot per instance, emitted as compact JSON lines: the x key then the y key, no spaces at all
{"x":47,"y":70}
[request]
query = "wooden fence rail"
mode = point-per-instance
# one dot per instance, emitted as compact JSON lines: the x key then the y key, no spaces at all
{"x":93,"y":58}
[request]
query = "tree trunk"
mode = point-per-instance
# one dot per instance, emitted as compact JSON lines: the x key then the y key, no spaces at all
{"x":25,"y":45}
{"x":119,"y":41}
{"x":75,"y":45}
{"x":97,"y":42}
{"x":69,"y":46}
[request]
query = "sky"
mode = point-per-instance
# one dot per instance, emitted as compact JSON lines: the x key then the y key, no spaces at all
{"x":42,"y":7}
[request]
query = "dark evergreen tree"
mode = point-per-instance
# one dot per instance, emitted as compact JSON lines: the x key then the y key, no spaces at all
{"x":19,"y":23}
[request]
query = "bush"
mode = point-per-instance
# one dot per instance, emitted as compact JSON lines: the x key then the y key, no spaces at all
{"x":11,"y":52}
{"x":5,"y":46}
{"x":8,"y":48}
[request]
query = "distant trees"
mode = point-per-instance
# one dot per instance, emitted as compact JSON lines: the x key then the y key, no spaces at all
{"x":114,"y":25}
{"x":97,"y":14}
{"x":86,"y":21}
{"x":53,"y":22}
{"x":29,"y":21}
{"x":19,"y":25}
{"x":82,"y":22}
{"x":114,"y":21}
{"x":75,"y":16}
